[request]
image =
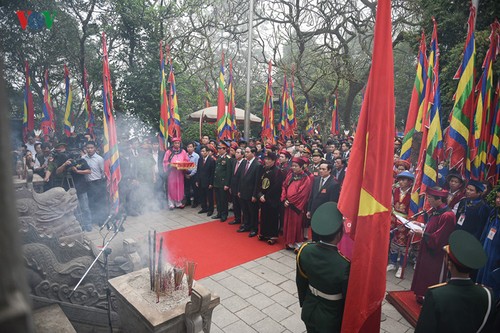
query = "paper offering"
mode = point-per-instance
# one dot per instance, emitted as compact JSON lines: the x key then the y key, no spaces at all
{"x":410,"y":224}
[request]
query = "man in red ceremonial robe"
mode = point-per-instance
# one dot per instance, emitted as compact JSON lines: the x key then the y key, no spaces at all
{"x":294,"y":195}
{"x":431,"y":268}
{"x":175,"y":177}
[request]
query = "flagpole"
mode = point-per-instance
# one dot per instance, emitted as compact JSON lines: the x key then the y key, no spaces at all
{"x":249,"y":72}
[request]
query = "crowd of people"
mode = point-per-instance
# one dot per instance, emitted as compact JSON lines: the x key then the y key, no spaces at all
{"x":273,"y":190}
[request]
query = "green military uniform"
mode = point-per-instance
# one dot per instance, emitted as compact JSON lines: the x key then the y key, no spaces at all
{"x":460,"y":305}
{"x":314,"y":168}
{"x":222,"y":177}
{"x":322,"y":275}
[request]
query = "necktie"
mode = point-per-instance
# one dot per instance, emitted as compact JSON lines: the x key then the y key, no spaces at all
{"x":321,"y":183}
{"x":237,"y":166}
{"x":246,"y":168}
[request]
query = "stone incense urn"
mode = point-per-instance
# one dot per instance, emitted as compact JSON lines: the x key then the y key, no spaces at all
{"x":139,"y":310}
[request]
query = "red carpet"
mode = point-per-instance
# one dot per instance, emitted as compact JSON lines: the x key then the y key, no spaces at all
{"x":406,"y":304}
{"x":214,"y":247}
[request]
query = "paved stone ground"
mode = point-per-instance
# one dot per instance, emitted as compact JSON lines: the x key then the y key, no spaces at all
{"x":258,"y":296}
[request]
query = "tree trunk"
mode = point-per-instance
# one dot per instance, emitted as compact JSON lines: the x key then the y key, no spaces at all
{"x":354,"y":89}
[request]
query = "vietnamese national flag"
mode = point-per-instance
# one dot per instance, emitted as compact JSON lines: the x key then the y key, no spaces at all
{"x":367,"y":199}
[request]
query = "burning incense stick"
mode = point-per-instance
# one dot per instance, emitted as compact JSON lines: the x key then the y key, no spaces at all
{"x":154,"y":258}
{"x":190,"y":267}
{"x":178,"y":275}
{"x":151,"y":282}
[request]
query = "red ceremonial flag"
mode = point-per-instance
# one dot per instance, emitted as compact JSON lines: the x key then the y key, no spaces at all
{"x":367,"y":199}
{"x":223,"y":124}
{"x":231,"y":104}
{"x":48,"y":121}
{"x":164,"y":108}
{"x":267,"y":133}
{"x":110,"y":143}
{"x":29,"y":110}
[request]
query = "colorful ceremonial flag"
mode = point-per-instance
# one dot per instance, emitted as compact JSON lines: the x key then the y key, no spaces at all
{"x":494,"y":146}
{"x":110,"y":143}
{"x":68,"y":104}
{"x":417,"y":98}
{"x":267,"y":133}
{"x":457,"y":138}
{"x":310,"y":127}
{"x":283,"y":110}
{"x":174,"y":127}
{"x":335,"y":129}
{"x":90,"y":123}
{"x":164,"y":109}
{"x":291,"y":122}
{"x":223,"y":123}
{"x":416,"y":202}
{"x":483,"y":115}
{"x":48,"y":121}
{"x":231,"y":105}
{"x":367,"y":199}
{"x":29,"y":110}
{"x":434,"y":133}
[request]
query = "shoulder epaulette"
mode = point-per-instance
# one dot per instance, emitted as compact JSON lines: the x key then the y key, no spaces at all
{"x":298,"y":260}
{"x":438,"y":285}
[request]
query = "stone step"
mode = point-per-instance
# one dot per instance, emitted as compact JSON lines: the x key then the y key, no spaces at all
{"x":51,"y":319}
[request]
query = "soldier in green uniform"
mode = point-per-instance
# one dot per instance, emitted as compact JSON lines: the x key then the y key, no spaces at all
{"x":317,"y":159}
{"x":222,"y":176}
{"x":460,"y":305}
{"x":323,"y":273}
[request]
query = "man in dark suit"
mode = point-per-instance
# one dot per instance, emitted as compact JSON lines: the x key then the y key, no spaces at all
{"x":205,"y":181}
{"x":460,"y":305}
{"x":324,"y":189}
{"x":247,"y":192}
{"x":234,"y":182}
{"x":339,"y":170}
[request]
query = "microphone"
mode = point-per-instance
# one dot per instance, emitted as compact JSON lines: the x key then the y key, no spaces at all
{"x":421,"y":213}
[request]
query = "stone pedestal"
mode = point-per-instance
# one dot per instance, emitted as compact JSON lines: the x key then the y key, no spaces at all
{"x":138,"y":314}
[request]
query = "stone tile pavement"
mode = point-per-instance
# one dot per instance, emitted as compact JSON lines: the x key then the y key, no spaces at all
{"x":257,"y":296}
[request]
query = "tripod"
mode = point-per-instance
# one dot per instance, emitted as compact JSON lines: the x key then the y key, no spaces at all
{"x":107,"y":252}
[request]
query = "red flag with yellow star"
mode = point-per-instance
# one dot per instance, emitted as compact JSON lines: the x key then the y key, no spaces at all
{"x":366,"y":200}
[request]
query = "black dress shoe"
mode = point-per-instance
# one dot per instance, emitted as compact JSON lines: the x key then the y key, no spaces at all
{"x":210,"y":213}
{"x":252,"y":234}
{"x":223,"y":218}
{"x":234,"y":222}
{"x":243,"y":230}
{"x":194,"y":205}
{"x":216,"y":216}
{"x":202,"y":211}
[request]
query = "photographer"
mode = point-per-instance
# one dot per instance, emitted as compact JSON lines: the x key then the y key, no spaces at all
{"x":54,"y":176}
{"x":75,"y":168}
